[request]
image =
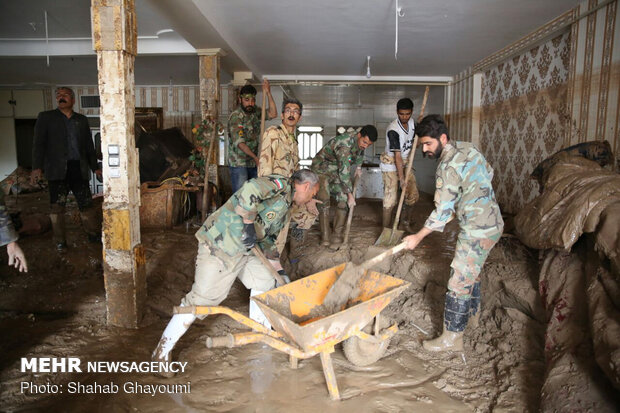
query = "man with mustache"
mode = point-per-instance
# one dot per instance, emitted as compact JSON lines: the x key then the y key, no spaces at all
{"x":280,"y":155}
{"x":463,"y":189}
{"x":333,"y":164}
{"x":63,"y":148}
{"x":243,"y":131}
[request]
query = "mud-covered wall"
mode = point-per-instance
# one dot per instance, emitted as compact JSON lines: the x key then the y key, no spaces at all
{"x":557,"y":86}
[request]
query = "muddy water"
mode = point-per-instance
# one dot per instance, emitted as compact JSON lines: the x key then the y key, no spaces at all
{"x":58,"y":309}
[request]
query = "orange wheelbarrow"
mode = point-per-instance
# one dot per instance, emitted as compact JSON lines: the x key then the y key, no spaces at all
{"x":303,"y":330}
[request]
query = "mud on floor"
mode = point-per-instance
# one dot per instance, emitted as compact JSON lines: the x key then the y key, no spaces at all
{"x":58,"y":310}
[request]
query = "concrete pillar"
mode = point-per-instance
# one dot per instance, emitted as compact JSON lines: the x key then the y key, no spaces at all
{"x":115,"y":41}
{"x":209,"y":73}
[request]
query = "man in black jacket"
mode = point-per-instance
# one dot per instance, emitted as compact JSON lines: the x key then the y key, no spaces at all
{"x":64,"y":150}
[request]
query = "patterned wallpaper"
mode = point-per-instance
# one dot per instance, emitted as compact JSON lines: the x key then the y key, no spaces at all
{"x":523,"y":113}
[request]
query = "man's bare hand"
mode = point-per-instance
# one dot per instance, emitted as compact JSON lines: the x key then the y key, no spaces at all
{"x":17,"y":258}
{"x":266,"y":87}
{"x":351,"y":200}
{"x":311,"y":206}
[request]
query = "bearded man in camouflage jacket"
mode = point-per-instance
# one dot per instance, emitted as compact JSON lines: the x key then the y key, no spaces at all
{"x":463,"y":189}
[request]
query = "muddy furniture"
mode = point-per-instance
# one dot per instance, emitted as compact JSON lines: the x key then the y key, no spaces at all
{"x":302,"y":330}
{"x":164,"y":205}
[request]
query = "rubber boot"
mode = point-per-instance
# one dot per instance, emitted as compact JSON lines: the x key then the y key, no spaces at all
{"x":295,"y":248}
{"x":408,"y":221}
{"x":387,"y":217}
{"x":338,"y":234}
{"x":474,"y":306}
{"x":256,"y":313}
{"x":455,"y":319}
{"x":58,"y":228}
{"x":178,"y":325}
{"x":324,"y":225}
{"x":92,"y":224}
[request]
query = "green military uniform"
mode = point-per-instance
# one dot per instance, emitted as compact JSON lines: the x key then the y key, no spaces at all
{"x":243,"y":128}
{"x":7,"y":230}
{"x":333,"y":166}
{"x":222,"y":257}
{"x":464,"y":189}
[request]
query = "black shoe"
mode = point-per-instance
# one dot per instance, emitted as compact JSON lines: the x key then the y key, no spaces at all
{"x":61,"y":247}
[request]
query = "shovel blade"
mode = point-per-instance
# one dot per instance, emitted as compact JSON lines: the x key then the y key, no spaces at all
{"x":387,"y":239}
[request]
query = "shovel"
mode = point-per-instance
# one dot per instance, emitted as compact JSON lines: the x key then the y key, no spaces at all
{"x":344,"y":288}
{"x":256,"y":250}
{"x":390,"y":237}
{"x":345,"y":240}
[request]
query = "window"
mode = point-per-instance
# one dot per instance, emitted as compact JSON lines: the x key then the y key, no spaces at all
{"x":309,"y":141}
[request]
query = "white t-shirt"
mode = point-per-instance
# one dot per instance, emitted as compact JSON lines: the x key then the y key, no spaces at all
{"x":406,"y":142}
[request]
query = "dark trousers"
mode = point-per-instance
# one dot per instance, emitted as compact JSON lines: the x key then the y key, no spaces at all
{"x":240,"y":174}
{"x":73,"y":182}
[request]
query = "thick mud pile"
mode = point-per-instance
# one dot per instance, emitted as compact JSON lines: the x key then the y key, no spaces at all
{"x":58,"y":310}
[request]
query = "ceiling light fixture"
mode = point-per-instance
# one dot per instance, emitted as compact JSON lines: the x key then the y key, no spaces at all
{"x":399,"y":13}
{"x":368,"y":75}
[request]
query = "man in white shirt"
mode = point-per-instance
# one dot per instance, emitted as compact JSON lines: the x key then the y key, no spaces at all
{"x":399,"y":142}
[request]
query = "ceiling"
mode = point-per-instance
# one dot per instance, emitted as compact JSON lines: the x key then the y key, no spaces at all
{"x":320,"y":39}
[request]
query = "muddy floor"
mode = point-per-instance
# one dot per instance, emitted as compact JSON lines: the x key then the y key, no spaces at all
{"x":58,"y":310}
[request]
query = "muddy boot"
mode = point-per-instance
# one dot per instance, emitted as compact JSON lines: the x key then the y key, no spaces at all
{"x":474,"y":306}
{"x":295,"y":248}
{"x":408,"y":221}
{"x":339,"y":222}
{"x":455,"y":318}
{"x":324,"y":225}
{"x":57,"y":216}
{"x":92,"y":224}
{"x":387,"y":217}
{"x":178,"y":325}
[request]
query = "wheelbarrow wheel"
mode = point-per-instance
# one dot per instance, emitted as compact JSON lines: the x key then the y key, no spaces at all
{"x":362,"y":352}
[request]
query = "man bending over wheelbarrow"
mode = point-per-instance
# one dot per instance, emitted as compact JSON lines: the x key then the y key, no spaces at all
{"x":255,"y":214}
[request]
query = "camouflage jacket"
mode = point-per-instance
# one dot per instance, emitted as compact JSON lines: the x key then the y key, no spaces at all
{"x":266,"y":201}
{"x":463,"y":188}
{"x":7,"y":230}
{"x":336,"y":158}
{"x":243,"y":128}
{"x":279,"y":154}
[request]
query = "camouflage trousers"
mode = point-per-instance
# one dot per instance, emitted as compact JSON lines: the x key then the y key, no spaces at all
{"x":469,"y":257}
{"x":331,"y":187}
{"x":216,"y":272}
{"x":302,"y":219}
{"x":390,"y":189}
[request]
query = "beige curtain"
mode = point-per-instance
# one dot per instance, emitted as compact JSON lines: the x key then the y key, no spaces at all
{"x":183,"y":121}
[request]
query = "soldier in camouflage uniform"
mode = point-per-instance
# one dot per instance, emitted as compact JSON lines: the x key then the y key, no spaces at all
{"x":253,"y":215}
{"x":463,"y":189}
{"x":333,"y":164}
{"x":9,"y":237}
{"x":280,"y":155}
{"x":243,"y":131}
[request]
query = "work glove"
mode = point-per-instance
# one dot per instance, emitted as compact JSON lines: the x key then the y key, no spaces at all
{"x":248,"y":236}
{"x":284,"y":277}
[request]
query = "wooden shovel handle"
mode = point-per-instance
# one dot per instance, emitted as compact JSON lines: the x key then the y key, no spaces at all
{"x":404,"y":190}
{"x":350,"y":217}
{"x":267,"y":264}
{"x":424,"y":103}
{"x":371,"y":262}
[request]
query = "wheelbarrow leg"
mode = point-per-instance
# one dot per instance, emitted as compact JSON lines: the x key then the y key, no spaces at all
{"x":294,"y":362}
{"x":330,"y":376}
